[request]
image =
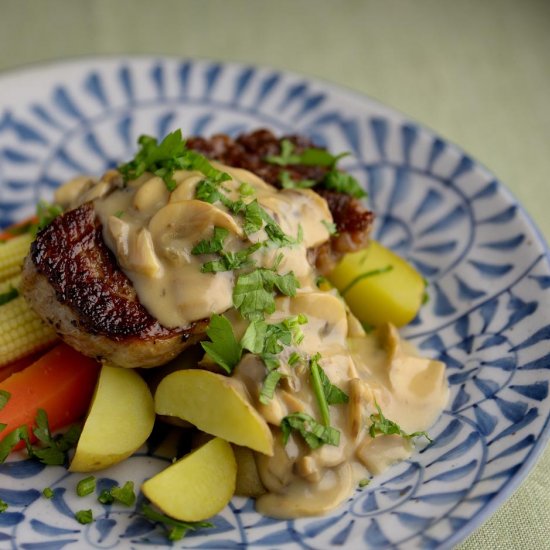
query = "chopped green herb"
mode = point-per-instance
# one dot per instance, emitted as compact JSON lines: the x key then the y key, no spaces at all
{"x":46,"y":214}
{"x":318,"y":389}
{"x":105,"y":497}
{"x":119,"y":213}
{"x":47,"y":492}
{"x":286,"y":155}
{"x":213,"y":245}
{"x":163,"y":159}
{"x":333,"y":394}
{"x":331,"y":227}
{"x":9,"y":441}
{"x":178,"y":528}
{"x":269,"y":385}
{"x":294,"y":359}
{"x":288,"y":183}
{"x":84,"y":516}
{"x":85,"y":486}
{"x":11,"y":294}
{"x":125,"y":494}
{"x":364,"y":482}
{"x":365,"y":275}
{"x":4,"y":398}
{"x":223,"y":347}
{"x":253,"y":293}
{"x":314,"y":434}
{"x":263,"y":338}
{"x":380,"y":425}
{"x":309,"y":157}
{"x":3,"y":506}
{"x":344,"y":183}
{"x":246,"y":190}
{"x":230,"y":261}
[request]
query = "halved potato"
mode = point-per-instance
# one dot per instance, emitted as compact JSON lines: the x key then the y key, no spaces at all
{"x":377,"y":296}
{"x":119,"y":421}
{"x":216,"y":405}
{"x":197,"y":486}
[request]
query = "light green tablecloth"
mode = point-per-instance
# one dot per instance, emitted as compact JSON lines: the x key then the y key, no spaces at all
{"x":478,"y":72}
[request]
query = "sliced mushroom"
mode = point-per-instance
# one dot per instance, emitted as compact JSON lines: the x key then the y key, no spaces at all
{"x":69,"y":193}
{"x":151,"y":195}
{"x":379,"y":453}
{"x":187,"y":185}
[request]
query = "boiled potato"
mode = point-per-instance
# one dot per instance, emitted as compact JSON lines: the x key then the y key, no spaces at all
{"x":119,"y":421}
{"x":216,"y":405}
{"x":392,"y":296}
{"x":197,"y":486}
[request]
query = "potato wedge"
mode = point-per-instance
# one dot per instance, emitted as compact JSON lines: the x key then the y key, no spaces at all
{"x":197,"y":486}
{"x":119,"y":421}
{"x":216,"y":405}
{"x":392,"y":296}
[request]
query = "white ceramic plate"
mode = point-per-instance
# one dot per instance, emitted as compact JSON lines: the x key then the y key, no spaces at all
{"x":486,"y":263}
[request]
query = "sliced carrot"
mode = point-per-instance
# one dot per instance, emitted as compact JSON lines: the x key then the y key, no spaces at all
{"x":61,"y":382}
{"x":17,"y":228}
{"x":15,"y":366}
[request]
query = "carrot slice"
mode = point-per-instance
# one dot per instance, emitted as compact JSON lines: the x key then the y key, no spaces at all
{"x":18,"y":365}
{"x":61,"y":382}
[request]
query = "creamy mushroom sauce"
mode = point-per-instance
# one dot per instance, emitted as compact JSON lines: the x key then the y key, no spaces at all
{"x":152,"y":231}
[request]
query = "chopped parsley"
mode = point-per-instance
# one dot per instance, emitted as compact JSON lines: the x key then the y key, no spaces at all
{"x":48,"y":492}
{"x":125,"y":494}
{"x":288,"y":183}
{"x":309,"y":157}
{"x":344,"y":183}
{"x":105,"y":497}
{"x":223,"y":348}
{"x":213,"y":245}
{"x":269,"y":385}
{"x":380,"y":425}
{"x":330,"y":227}
{"x":364,"y":482}
{"x":230,"y":261}
{"x":3,"y":506}
{"x":333,"y":394}
{"x":176,"y":529}
{"x":46,"y":213}
{"x":164,"y":158}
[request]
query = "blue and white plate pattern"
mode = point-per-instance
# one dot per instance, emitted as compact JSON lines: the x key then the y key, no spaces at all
{"x":487,"y":319}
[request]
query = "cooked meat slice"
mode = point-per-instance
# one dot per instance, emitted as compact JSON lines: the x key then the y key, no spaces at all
{"x":353,"y":220}
{"x":73,"y":281}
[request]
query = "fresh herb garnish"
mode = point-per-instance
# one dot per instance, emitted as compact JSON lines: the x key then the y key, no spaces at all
{"x":164,"y":158}
{"x":318,"y":389}
{"x":344,"y":183}
{"x":84,"y":516}
{"x":3,"y":506}
{"x":380,"y":425}
{"x":11,"y":294}
{"x":333,"y":394}
{"x":263,"y":338}
{"x":314,"y":434}
{"x":178,"y":529}
{"x":105,"y":497}
{"x":46,"y":214}
{"x":330,"y":227}
{"x":365,"y":275}
{"x":125,"y":494}
{"x":85,"y":486}
{"x":253,"y":293}
{"x":223,"y":348}
{"x":288,"y":183}
{"x":269,"y":385}
{"x":47,"y":492}
{"x":364,"y":482}
{"x":294,"y":359}
{"x":213,"y":245}
{"x":230,"y":261}
{"x":309,"y":157}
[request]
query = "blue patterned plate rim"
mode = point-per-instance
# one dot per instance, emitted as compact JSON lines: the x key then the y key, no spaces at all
{"x":96,"y":62}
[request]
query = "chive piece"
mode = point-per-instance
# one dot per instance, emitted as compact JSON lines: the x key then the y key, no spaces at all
{"x":105,"y":497}
{"x":364,"y":482}
{"x":85,"y":486}
{"x":125,"y":495}
{"x":371,"y":273}
{"x":84,"y":516}
{"x":47,"y":492}
{"x":318,"y":389}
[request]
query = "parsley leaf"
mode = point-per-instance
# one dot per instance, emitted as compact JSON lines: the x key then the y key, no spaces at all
{"x":314,"y":434}
{"x":288,"y":183}
{"x":382,"y":426}
{"x":85,"y":486}
{"x":344,"y":183}
{"x":223,"y":348}
{"x":46,"y":214}
{"x":125,"y":494}
{"x":210,"y":246}
{"x":333,"y":394}
{"x":3,"y":506}
{"x":48,"y":492}
{"x":253,"y":293}
{"x":309,"y":157}
{"x":179,"y":528}
{"x":269,"y":385}
{"x":84,"y":516}
{"x":230,"y":261}
{"x":286,"y":156}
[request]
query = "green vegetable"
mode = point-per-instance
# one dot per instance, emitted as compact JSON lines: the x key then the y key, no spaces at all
{"x":344,"y":183}
{"x":105,"y":497}
{"x":314,"y":434}
{"x":125,"y":494}
{"x":3,"y":506}
{"x":364,"y":482}
{"x":318,"y":389}
{"x":294,"y":359}
{"x":331,"y":227}
{"x":223,"y":347}
{"x":178,"y":528}
{"x":4,"y":398}
{"x":46,"y":214}
{"x":230,"y":261}
{"x":11,"y":294}
{"x":213,"y":245}
{"x":269,"y":385}
{"x":84,"y":516}
{"x":85,"y":486}
{"x":163,"y":159}
{"x":380,"y":425}
{"x":253,"y":293}
{"x":47,"y":492}
{"x":333,"y":394}
{"x":288,"y":183}
{"x":310,"y":157}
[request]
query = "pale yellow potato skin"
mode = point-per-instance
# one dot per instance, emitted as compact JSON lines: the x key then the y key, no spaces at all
{"x":197,"y":486}
{"x":119,"y":421}
{"x":391,"y":297}
{"x":215,"y":404}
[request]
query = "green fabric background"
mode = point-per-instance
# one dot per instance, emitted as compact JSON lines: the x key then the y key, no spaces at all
{"x":477,"y":72}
